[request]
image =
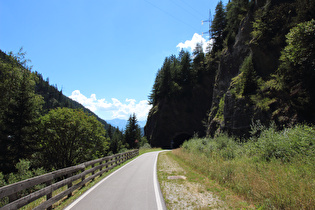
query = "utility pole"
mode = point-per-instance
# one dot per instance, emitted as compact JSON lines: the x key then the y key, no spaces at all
{"x":210,"y":21}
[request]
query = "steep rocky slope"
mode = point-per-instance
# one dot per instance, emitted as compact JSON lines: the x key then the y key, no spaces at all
{"x":250,"y":78}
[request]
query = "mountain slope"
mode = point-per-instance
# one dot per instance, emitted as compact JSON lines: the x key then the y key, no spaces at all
{"x":260,"y":68}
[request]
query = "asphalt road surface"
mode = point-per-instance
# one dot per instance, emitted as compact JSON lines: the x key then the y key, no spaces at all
{"x":134,"y":186}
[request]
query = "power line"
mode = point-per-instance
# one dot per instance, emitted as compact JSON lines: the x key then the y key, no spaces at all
{"x":169,"y":14}
{"x":184,"y":9}
{"x":197,"y":12}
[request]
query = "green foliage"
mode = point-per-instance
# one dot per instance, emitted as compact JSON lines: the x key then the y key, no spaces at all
{"x":146,"y":146}
{"x":220,"y":112}
{"x":24,"y":97}
{"x":177,"y":77}
{"x":133,"y":132}
{"x":300,"y":49}
{"x":266,"y":144}
{"x":271,"y":24}
{"x":117,"y":142}
{"x":236,"y":10}
{"x":19,"y":109}
{"x":221,"y":147}
{"x":2,"y":180}
{"x":284,"y":145}
{"x":275,"y":169}
{"x":217,"y":27}
{"x":68,"y":137}
{"x":246,"y":83}
{"x":24,"y":171}
{"x":296,"y":71}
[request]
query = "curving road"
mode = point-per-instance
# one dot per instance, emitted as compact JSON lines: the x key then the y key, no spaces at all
{"x":133,"y":186}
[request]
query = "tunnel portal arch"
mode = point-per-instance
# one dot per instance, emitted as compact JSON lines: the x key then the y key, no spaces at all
{"x":179,"y":139}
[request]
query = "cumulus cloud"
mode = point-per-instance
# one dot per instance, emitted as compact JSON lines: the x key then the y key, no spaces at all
{"x":113,"y":109}
{"x":191,"y":44}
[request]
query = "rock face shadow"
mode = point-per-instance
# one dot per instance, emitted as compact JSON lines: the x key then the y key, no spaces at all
{"x":179,"y":139}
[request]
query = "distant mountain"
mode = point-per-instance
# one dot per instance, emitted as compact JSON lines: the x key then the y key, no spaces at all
{"x":121,"y":123}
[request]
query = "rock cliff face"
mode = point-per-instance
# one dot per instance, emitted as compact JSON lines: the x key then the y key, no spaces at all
{"x":236,"y":112}
{"x":172,"y":121}
{"x":240,"y":113}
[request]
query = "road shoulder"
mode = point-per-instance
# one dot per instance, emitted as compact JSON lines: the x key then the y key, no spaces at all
{"x":180,"y":188}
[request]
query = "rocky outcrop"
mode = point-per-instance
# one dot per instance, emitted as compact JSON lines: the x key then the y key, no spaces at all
{"x":235,"y":111}
{"x":174,"y":120}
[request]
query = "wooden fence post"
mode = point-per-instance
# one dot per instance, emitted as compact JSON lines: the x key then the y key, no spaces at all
{"x":49,"y":195}
{"x":83,"y":178}
{"x":93,"y":171}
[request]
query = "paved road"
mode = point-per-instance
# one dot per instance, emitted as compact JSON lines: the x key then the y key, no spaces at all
{"x":134,"y":186}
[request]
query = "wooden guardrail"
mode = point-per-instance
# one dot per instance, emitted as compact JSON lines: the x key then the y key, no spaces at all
{"x":57,"y":179}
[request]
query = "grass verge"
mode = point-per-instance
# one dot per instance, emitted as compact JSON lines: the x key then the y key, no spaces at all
{"x":273,"y":171}
{"x":197,"y":191}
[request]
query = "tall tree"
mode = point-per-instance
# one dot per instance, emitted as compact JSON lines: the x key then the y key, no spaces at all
{"x":19,"y":110}
{"x":296,"y":71}
{"x":69,"y":137}
{"x":199,"y":61}
{"x":185,"y":75}
{"x":133,"y":132}
{"x":217,"y":27}
{"x":117,"y":142}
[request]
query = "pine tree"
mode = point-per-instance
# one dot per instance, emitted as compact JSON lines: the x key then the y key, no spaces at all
{"x":20,"y":109}
{"x":132,"y":132}
{"x":198,"y":62}
{"x":217,"y":27}
{"x":116,"y":143}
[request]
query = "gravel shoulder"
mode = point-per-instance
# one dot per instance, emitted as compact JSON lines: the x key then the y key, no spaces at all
{"x":180,"y":188}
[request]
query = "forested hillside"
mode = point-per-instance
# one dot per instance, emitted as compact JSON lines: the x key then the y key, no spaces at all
{"x":42,"y":128}
{"x":259,"y":67}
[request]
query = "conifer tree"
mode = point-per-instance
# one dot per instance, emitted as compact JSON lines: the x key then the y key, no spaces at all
{"x":217,"y":27}
{"x":19,"y":111}
{"x":132,"y":132}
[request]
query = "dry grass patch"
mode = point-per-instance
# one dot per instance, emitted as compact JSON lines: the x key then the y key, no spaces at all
{"x":194,"y":192}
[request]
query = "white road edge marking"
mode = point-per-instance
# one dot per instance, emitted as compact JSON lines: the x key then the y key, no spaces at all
{"x":156,"y":185}
{"x":95,"y":186}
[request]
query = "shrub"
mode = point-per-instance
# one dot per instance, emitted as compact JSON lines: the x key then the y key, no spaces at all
{"x":222,"y":147}
{"x":246,"y":83}
{"x":287,"y":144}
{"x":146,"y":146}
{"x":274,"y":169}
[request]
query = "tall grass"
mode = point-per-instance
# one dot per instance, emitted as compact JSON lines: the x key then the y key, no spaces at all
{"x":275,"y":170}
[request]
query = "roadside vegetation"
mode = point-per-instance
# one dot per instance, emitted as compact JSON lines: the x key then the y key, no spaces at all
{"x":184,"y":187}
{"x":273,"y":169}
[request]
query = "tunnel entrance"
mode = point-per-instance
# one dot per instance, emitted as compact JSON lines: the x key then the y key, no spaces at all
{"x":178,"y":140}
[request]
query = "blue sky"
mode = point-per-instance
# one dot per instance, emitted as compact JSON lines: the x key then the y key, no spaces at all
{"x":104,"y":54}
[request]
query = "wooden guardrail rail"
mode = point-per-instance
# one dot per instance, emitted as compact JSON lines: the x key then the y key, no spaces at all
{"x":57,"y":179}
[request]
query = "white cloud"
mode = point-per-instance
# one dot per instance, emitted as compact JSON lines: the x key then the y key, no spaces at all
{"x":191,"y":44}
{"x":114,"y":109}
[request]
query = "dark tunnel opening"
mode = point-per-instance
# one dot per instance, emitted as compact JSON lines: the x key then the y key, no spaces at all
{"x":179,"y":140}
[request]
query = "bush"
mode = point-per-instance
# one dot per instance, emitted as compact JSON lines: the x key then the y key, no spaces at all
{"x":146,"y":146}
{"x":285,"y":145}
{"x":220,"y":147}
{"x":274,"y":169}
{"x":23,"y":172}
